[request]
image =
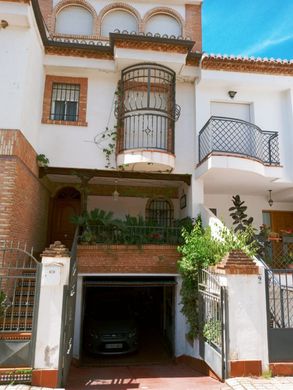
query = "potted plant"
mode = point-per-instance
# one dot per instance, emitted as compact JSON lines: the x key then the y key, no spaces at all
{"x":288,"y":260}
{"x":42,"y":160}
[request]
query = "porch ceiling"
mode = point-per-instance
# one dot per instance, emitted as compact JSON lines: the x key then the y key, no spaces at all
{"x":72,"y":175}
{"x":219,"y":181}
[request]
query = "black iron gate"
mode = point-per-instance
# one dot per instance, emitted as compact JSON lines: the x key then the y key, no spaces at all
{"x":279,"y":294}
{"x":68,"y":316}
{"x":20,"y":275}
{"x":213,"y":323}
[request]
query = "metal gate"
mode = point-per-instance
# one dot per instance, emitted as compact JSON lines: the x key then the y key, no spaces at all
{"x":20,"y":275}
{"x":213,"y":323}
{"x":279,"y":293}
{"x":68,"y":316}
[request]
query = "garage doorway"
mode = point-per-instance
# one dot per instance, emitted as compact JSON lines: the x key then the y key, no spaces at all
{"x":127,"y":320}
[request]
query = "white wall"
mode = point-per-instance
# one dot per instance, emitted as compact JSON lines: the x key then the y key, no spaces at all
{"x":141,"y":6}
{"x":21,"y":75}
{"x":73,"y":146}
{"x":125,"y":205}
{"x":270,"y":99}
{"x":255,"y":206}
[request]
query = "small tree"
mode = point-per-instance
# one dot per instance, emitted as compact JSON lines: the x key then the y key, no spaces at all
{"x":238,"y":214}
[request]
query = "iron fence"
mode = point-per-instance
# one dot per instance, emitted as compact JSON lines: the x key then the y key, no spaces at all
{"x":278,"y":252}
{"x":211,"y":321}
{"x":280,"y":298}
{"x":133,"y":235}
{"x":235,"y":136}
{"x":18,"y":277}
{"x":212,"y":311}
{"x":68,"y":315}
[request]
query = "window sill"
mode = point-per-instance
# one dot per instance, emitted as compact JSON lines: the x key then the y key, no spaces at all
{"x":64,"y":123}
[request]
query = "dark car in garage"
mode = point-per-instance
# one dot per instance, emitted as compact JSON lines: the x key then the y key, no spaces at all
{"x":110,"y":328}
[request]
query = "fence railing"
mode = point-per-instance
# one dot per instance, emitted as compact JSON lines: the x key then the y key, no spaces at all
{"x":133,"y":235}
{"x":280,"y":298}
{"x":278,"y":252}
{"x":235,"y":136}
{"x":18,"y":283}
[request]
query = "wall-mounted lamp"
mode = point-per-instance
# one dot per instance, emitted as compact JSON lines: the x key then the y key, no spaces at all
{"x":115,"y":193}
{"x":270,"y":200}
{"x":3,"y":23}
{"x":232,"y":94}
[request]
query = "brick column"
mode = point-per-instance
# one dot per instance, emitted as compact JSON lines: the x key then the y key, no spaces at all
{"x":247,"y":319}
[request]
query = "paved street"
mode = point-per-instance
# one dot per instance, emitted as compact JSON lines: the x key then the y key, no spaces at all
{"x":168,"y":377}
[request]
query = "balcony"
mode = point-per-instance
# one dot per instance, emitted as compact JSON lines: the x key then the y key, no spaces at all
{"x":146,"y":114}
{"x":222,"y":135}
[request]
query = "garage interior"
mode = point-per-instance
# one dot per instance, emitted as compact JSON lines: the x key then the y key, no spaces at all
{"x":150,"y":302}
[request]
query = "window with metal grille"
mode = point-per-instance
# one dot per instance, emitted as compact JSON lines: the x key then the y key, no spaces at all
{"x":160,"y":211}
{"x":65,"y":102}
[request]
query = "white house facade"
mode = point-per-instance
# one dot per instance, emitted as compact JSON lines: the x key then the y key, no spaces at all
{"x":114,"y":106}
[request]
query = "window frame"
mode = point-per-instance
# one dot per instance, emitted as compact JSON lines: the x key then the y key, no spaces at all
{"x":82,"y":103}
{"x":149,"y":211}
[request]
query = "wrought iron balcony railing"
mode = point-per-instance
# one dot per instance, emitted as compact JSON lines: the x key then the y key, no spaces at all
{"x":229,"y":135}
{"x":146,"y":109}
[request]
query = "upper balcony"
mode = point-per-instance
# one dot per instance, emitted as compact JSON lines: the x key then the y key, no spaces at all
{"x":229,"y":136}
{"x":146,"y":114}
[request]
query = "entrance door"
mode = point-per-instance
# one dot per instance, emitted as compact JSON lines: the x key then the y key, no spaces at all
{"x":66,"y":204}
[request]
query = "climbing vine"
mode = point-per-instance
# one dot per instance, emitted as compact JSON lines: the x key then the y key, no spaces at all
{"x":199,"y":251}
{"x":106,"y":139}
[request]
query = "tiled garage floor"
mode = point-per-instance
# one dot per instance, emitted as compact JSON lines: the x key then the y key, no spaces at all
{"x":148,"y":377}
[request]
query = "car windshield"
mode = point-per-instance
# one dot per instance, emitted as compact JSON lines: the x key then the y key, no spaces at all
{"x":110,"y":311}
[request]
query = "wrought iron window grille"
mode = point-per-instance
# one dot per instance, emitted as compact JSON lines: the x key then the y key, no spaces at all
{"x":65,"y":102}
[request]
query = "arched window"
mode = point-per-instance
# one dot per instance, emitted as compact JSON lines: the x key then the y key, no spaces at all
{"x":118,"y":20}
{"x":74,"y":20}
{"x":160,"y":211}
{"x":163,"y":24}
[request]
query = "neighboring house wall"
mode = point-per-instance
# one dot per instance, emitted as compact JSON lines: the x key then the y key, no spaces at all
{"x":21,"y":77}
{"x":270,"y":103}
{"x":23,"y":198}
{"x":255,"y":206}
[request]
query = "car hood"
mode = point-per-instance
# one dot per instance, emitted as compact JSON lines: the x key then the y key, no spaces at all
{"x":112,"y":326}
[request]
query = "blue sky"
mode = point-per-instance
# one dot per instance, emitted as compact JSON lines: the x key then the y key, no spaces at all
{"x":259,"y":28}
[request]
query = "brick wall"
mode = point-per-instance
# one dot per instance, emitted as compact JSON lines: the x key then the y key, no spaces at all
{"x":193,"y":24}
{"x":127,"y":259}
{"x":23,"y":198}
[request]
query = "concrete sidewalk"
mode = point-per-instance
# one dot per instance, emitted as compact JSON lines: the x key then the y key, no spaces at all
{"x":276,"y":383}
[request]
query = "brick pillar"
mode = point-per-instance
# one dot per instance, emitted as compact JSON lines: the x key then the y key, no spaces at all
{"x":193,"y":25}
{"x":247,"y":319}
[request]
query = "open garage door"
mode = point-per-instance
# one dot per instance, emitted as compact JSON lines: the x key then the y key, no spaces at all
{"x":128,"y":320}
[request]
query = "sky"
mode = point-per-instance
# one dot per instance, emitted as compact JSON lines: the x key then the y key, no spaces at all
{"x":258,"y":28}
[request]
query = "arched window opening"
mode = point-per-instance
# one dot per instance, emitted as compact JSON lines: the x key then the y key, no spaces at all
{"x":160,"y":211}
{"x":118,"y":20}
{"x":74,"y":20}
{"x":163,"y":24}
